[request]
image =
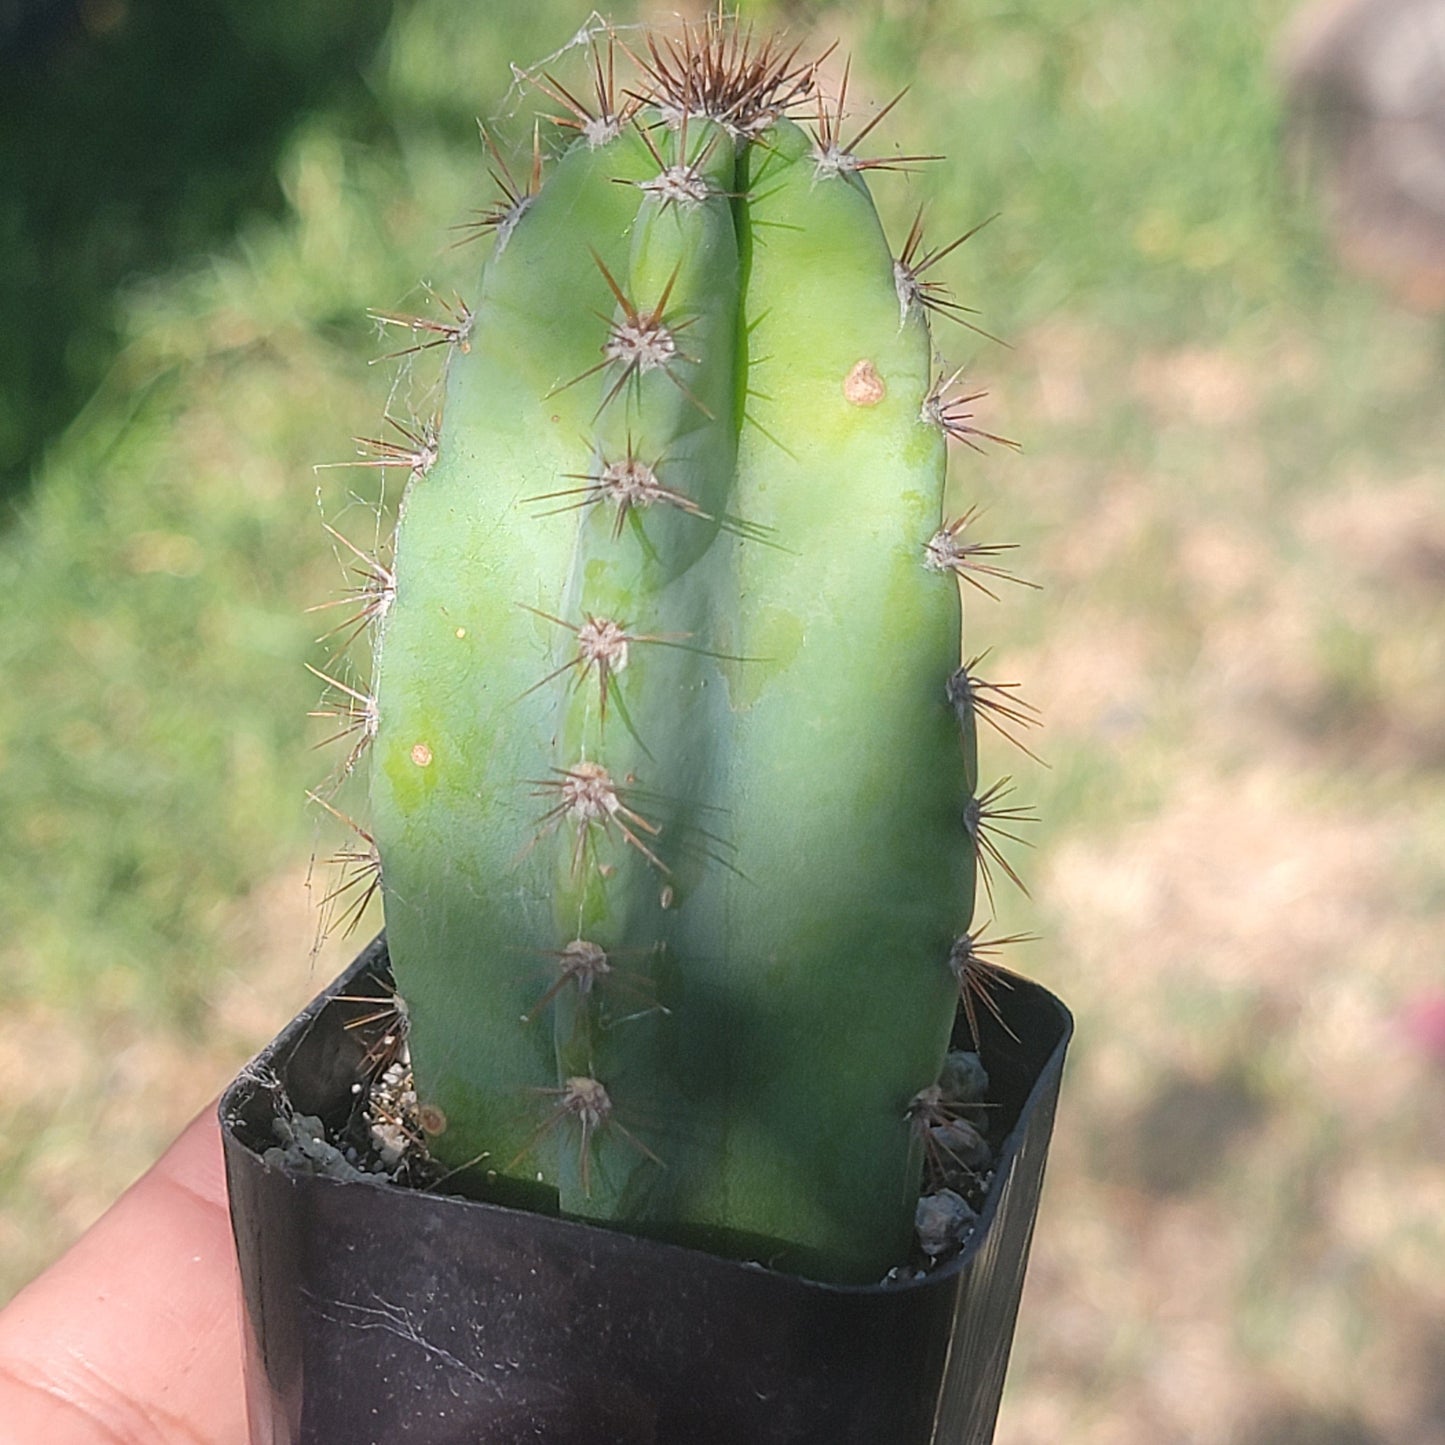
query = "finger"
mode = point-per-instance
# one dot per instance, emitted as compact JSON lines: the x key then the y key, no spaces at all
{"x":133,"y":1337}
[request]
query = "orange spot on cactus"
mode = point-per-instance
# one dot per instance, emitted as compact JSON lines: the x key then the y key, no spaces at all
{"x":863,"y":386}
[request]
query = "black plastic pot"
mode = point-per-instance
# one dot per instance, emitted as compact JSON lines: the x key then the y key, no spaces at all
{"x":378,"y":1315}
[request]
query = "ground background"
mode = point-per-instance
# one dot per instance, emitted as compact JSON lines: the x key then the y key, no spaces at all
{"x":1231,"y":488}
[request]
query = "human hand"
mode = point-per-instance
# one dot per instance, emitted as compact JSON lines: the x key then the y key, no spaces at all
{"x":134,"y":1336}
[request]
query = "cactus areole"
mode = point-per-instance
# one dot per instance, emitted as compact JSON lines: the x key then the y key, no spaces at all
{"x":674,"y":788}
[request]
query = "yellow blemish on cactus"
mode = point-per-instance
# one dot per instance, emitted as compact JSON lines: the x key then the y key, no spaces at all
{"x":778,"y":637}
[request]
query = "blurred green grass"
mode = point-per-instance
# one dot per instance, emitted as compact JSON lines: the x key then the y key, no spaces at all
{"x":169,"y":120}
{"x":1230,"y":487}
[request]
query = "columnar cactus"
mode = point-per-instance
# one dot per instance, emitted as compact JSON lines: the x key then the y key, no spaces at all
{"x":674,"y":780}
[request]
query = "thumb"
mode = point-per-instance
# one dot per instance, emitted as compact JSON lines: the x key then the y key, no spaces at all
{"x":133,"y":1337}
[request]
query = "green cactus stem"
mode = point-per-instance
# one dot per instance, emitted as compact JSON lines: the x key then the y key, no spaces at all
{"x":674,"y":780}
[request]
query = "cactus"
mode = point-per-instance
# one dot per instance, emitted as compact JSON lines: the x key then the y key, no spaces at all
{"x":674,"y":780}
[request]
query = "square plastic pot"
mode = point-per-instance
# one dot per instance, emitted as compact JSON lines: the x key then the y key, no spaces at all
{"x":378,"y":1315}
